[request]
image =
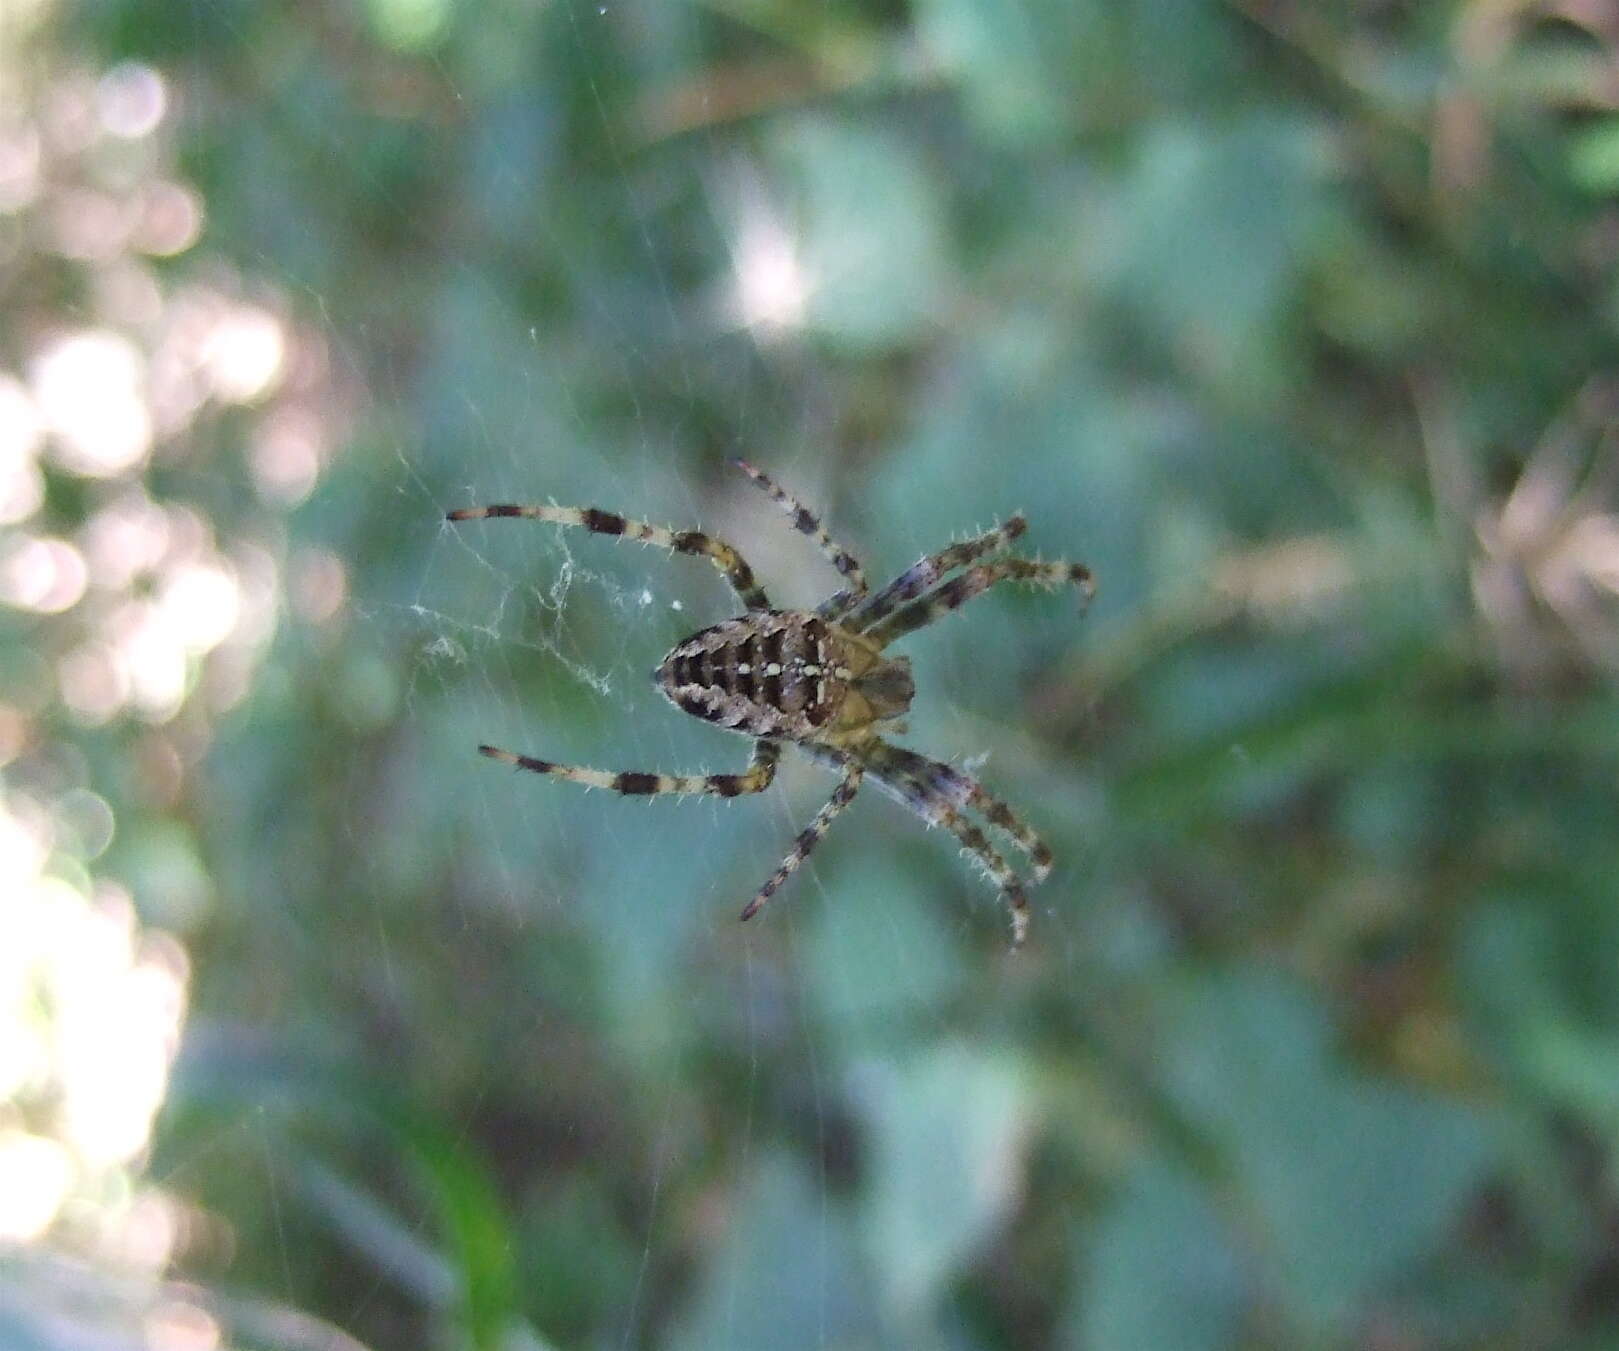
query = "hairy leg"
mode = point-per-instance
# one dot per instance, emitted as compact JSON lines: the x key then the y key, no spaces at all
{"x":961,"y":589}
{"x":964,"y":792}
{"x":926,"y":571}
{"x":807,"y":839}
{"x":731,"y":564}
{"x":934,"y":807}
{"x":756,"y":778}
{"x":807,"y":523}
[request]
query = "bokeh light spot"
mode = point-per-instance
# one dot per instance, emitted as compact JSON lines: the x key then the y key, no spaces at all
{"x":170,"y":222}
{"x":319,"y":586}
{"x":131,"y":100}
{"x":88,"y":387}
{"x":93,"y":682}
{"x":287,"y":455}
{"x":770,"y":287}
{"x":118,"y":1022}
{"x":124,"y":540}
{"x":42,"y":574}
{"x":35,"y":1176}
{"x":87,"y":224}
{"x":155,"y":661}
{"x":85,"y":823}
{"x":199,"y":605}
{"x":22,"y":486}
{"x":177,"y":1326}
{"x":244,"y":354}
{"x":408,"y":25}
{"x":19,"y":167}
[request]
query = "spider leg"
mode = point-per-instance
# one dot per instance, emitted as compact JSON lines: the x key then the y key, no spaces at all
{"x":756,"y":778}
{"x":926,"y":571}
{"x":965,"y":791}
{"x":960,"y":589}
{"x":808,"y":838}
{"x":934,"y":807}
{"x":731,"y":564}
{"x":807,"y":523}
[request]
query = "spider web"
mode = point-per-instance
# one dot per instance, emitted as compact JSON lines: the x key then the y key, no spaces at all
{"x":854,"y":1004}
{"x":541,"y":639}
{"x":544,"y":637}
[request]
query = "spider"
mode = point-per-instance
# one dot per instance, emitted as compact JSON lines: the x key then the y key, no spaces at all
{"x":819,"y":678}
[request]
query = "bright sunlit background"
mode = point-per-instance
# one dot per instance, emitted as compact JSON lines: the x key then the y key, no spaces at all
{"x":1297,"y":321}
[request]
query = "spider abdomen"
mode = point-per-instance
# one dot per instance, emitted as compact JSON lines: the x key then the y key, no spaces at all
{"x":784,"y":673}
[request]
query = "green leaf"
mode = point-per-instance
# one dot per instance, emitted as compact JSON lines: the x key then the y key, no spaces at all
{"x":1029,"y":69}
{"x":478,"y":1237}
{"x":785,"y":1278}
{"x":1593,"y":157}
{"x":998,"y":50}
{"x":1353,"y":1180}
{"x":1162,"y":1273}
{"x":877,"y":957}
{"x":1211,"y":230}
{"x":1521,"y":962}
{"x":871,"y":232}
{"x":946,"y":1130}
{"x":390,"y":1243}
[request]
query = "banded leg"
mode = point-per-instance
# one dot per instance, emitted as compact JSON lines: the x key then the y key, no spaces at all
{"x":960,"y":589}
{"x":964,"y":791}
{"x":973,"y":841}
{"x":807,"y":523}
{"x":937,"y":810}
{"x":731,"y":564}
{"x":926,"y":571}
{"x":756,"y":778}
{"x":807,"y":839}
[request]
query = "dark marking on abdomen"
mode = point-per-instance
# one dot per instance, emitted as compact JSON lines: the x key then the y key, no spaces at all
{"x":698,"y":709}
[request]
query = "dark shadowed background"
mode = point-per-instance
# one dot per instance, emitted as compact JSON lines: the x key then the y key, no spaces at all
{"x":1295,"y":320}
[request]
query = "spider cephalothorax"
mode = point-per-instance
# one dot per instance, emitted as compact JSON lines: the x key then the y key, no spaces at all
{"x":820,"y":679}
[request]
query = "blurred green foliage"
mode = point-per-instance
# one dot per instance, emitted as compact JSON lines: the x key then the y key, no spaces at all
{"x":1296,"y":321}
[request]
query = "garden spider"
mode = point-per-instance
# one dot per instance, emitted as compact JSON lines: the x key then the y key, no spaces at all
{"x":819,"y":678}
